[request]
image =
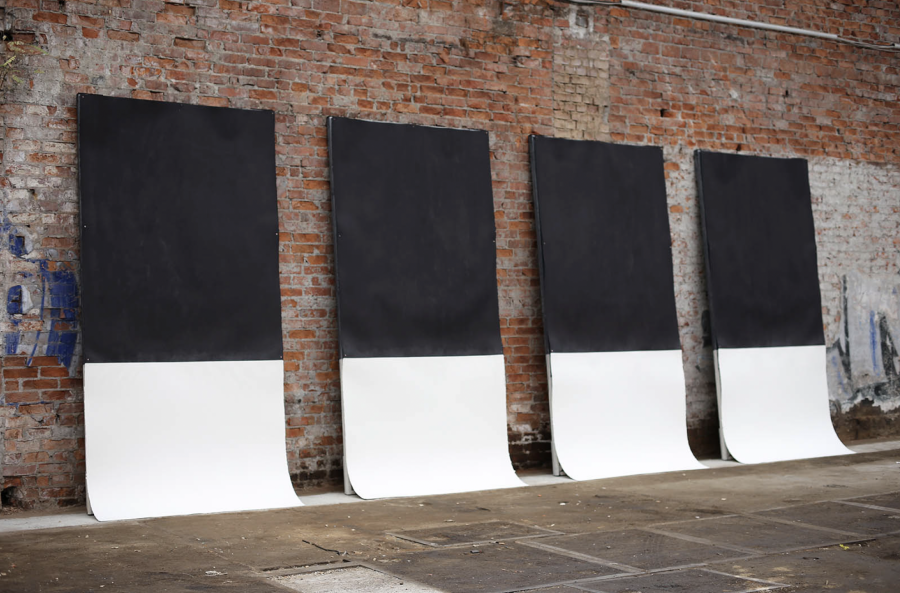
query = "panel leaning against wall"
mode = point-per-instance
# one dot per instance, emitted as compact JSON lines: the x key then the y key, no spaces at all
{"x":183,"y":376}
{"x":765,"y":307}
{"x":617,"y":392}
{"x":423,"y":389}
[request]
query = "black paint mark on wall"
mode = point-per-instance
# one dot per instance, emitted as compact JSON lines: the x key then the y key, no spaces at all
{"x":864,"y":365}
{"x":882,"y":347}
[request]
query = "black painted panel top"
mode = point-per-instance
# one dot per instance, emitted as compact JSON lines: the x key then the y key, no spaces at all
{"x":605,"y":247}
{"x":760,"y":243}
{"x":179,"y":232}
{"x":414,"y":240}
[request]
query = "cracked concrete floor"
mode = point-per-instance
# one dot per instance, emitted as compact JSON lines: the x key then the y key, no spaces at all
{"x":828,"y":524}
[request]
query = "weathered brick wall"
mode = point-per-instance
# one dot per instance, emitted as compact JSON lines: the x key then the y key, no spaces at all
{"x":509,"y":67}
{"x":857,"y":214}
{"x":867,"y":20}
{"x":458,"y":64}
{"x":581,"y":76}
{"x":700,"y":84}
{"x":687,"y":84}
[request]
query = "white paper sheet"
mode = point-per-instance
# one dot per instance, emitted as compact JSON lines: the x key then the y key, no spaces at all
{"x":429,"y":425}
{"x":773,"y":404}
{"x":185,"y":437}
{"x":619,"y":413}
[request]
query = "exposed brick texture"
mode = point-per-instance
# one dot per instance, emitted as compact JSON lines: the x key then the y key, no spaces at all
{"x":509,"y":67}
{"x":581,"y":77}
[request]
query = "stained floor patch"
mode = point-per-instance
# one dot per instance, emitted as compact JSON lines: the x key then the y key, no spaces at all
{"x":493,"y":568}
{"x":347,"y":580}
{"x":844,"y":517}
{"x":883,"y":548}
{"x":242,"y":539}
{"x":639,"y":549}
{"x":890,"y":500}
{"x":556,"y":589}
{"x":646,"y":509}
{"x":686,"y":581}
{"x":839,"y":569}
{"x":753,"y":534}
{"x":118,"y":556}
{"x":473,"y":533}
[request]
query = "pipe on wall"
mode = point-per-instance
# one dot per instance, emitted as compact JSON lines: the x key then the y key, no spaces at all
{"x":703,"y":16}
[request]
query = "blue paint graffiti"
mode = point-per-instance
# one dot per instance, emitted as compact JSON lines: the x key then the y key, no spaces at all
{"x":14,"y":300}
{"x":11,"y":343}
{"x":59,"y":301}
{"x":62,"y":289}
{"x":14,"y":238}
{"x":61,"y":344}
{"x":17,"y":245}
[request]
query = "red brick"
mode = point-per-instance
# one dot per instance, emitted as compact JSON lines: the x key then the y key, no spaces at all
{"x":190,"y":43}
{"x":16,"y":373}
{"x":123,"y":36}
{"x":51,"y":17}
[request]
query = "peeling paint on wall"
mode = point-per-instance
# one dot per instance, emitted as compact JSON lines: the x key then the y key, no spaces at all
{"x":42,"y":300}
{"x":855,"y":205}
{"x":863,"y":364}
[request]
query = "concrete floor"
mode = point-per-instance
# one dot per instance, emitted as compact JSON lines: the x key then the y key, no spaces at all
{"x":817,"y":525}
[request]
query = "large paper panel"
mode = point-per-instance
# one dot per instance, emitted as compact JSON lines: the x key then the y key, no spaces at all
{"x":179,"y":232}
{"x":429,"y":425}
{"x":761,"y":251}
{"x":619,"y":413}
{"x":605,"y":247}
{"x":765,"y":307}
{"x":774,"y":404}
{"x":414,"y":240}
{"x":187,"y":437}
{"x":617,"y":396}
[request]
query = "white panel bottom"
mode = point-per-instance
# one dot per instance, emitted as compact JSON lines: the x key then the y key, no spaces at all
{"x":185,"y":437}
{"x":773,"y":404}
{"x":425,"y":425}
{"x":619,"y":413}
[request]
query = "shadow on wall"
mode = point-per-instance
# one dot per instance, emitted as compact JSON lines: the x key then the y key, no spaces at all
{"x":863,"y":364}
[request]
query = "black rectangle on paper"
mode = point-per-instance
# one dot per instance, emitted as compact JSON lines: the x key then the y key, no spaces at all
{"x":760,"y":243}
{"x":605,"y":247}
{"x":179,"y":232}
{"x":414,"y":240}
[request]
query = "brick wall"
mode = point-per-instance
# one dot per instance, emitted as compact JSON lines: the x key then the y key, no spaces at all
{"x":688,"y":84}
{"x":509,"y":67}
{"x":581,"y":76}
{"x":856,"y":207}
